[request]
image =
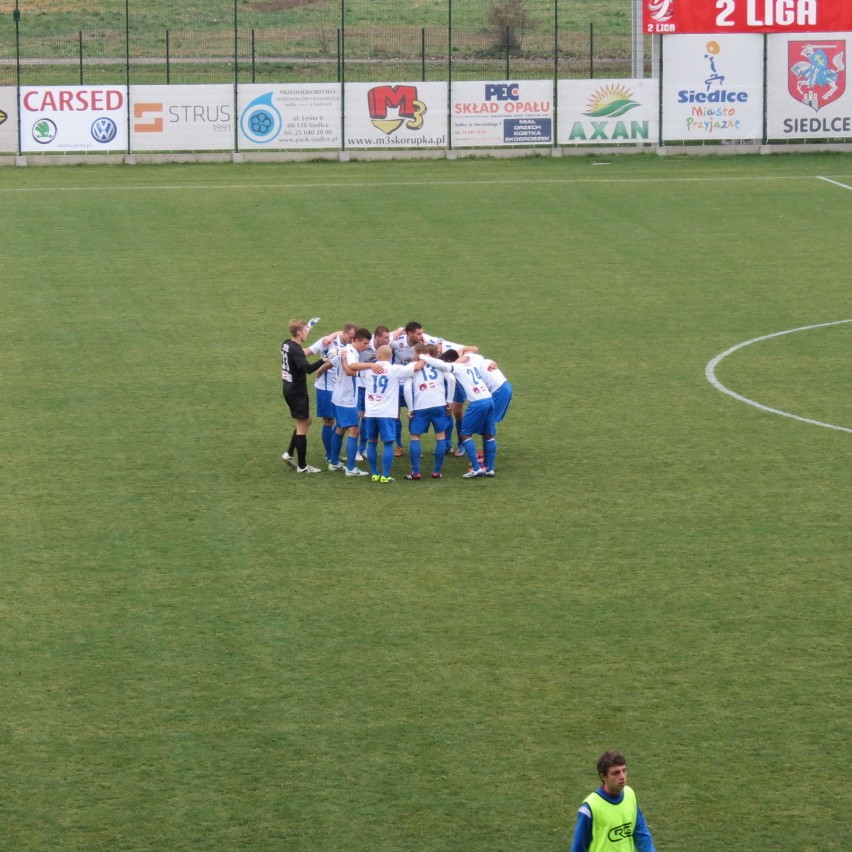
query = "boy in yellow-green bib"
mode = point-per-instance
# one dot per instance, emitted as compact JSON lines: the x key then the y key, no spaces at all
{"x":610,"y":819}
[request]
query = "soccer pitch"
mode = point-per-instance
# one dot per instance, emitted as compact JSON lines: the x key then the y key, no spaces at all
{"x":203,"y":650}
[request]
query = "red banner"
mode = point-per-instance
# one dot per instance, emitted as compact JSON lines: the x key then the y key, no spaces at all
{"x":747,"y":16}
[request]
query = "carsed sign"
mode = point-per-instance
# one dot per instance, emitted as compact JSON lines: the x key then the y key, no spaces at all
{"x":746,"y":16}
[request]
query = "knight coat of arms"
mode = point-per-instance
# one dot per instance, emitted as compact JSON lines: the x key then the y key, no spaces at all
{"x":817,"y":72}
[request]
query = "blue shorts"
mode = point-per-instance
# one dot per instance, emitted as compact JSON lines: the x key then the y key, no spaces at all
{"x":362,"y":393}
{"x":502,"y":397}
{"x":459,"y":395}
{"x":344,"y":417}
{"x":380,"y":428}
{"x":479,"y":418}
{"x":422,"y":420}
{"x":325,"y":408}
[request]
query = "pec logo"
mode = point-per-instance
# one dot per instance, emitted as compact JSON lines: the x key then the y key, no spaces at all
{"x":817,"y":74}
{"x":620,"y":832}
{"x":502,"y":92}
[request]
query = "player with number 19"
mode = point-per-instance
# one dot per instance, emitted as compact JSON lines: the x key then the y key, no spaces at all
{"x":381,"y":410}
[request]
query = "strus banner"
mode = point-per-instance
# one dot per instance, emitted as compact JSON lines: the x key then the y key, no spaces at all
{"x":746,"y":16}
{"x":182,"y":118}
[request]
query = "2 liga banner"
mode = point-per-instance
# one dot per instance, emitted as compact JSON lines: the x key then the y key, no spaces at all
{"x":746,"y":16}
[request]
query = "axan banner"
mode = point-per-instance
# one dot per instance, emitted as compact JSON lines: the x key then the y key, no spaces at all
{"x":746,"y":16}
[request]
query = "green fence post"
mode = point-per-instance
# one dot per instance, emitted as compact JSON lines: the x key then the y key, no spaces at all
{"x":449,"y":75}
{"x":555,"y":71}
{"x":16,"y":17}
{"x":127,"y":67}
{"x":555,"y":41}
{"x":236,"y":78}
{"x":127,"y":55}
{"x":341,"y":59}
{"x":591,"y":51}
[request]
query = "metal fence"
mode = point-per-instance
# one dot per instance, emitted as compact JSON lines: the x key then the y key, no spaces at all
{"x":65,"y":42}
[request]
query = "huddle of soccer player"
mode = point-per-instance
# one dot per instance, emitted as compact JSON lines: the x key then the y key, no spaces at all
{"x":363,"y":379}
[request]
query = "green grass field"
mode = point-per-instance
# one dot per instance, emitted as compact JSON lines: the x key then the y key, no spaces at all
{"x":50,"y":16}
{"x":306,"y":40}
{"x":203,"y":650}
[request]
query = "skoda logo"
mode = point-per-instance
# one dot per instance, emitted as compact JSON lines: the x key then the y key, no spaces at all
{"x":44,"y":131}
{"x":104,"y":130}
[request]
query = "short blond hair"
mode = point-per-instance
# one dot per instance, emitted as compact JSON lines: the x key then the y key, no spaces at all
{"x":295,"y":326}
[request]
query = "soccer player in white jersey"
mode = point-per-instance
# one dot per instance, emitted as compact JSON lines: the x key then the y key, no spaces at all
{"x":380,"y":337}
{"x":445,"y":345}
{"x":457,"y":408}
{"x":428,"y":397}
{"x":478,"y":416}
{"x":381,"y":410}
{"x":327,"y":347}
{"x":496,"y":381}
{"x":345,"y":399}
{"x":402,"y":343}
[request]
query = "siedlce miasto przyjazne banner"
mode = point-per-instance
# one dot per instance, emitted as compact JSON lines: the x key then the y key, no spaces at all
{"x":712,"y":90}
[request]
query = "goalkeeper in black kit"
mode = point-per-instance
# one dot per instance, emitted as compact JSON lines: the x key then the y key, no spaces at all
{"x":295,"y":368}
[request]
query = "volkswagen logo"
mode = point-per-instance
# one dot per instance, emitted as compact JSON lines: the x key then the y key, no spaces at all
{"x":104,"y":130}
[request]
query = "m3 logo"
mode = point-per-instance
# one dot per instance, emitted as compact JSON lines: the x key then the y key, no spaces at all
{"x":401,"y":99}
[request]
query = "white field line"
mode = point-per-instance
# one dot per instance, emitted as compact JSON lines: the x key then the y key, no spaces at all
{"x":378,"y":184}
{"x":710,"y":372}
{"x":835,"y":182}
